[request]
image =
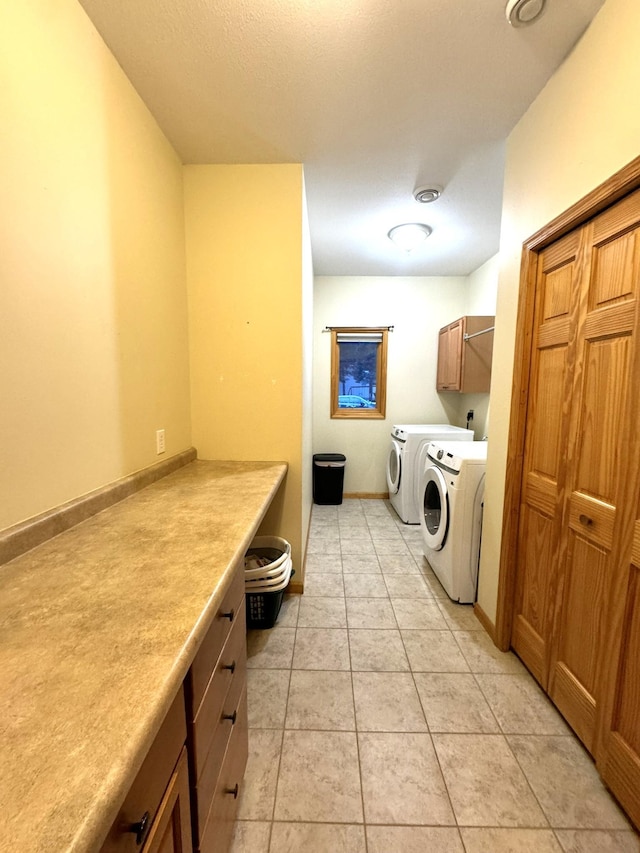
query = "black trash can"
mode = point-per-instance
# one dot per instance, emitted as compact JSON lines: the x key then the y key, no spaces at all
{"x":328,"y":477}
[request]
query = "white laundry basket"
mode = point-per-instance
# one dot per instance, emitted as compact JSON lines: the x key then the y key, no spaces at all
{"x":265,"y":584}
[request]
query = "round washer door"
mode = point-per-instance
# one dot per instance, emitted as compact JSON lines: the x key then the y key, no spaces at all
{"x":435,"y":508}
{"x":394,"y":468}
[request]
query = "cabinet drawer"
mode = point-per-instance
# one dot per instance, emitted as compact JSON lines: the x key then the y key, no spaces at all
{"x":230,"y":670}
{"x":203,"y":665}
{"x":219,"y":827}
{"x":234,"y":704}
{"x":146,"y":792}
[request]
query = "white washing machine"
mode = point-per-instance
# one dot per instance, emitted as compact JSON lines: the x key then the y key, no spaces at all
{"x":406,"y":443}
{"x":452,"y":490}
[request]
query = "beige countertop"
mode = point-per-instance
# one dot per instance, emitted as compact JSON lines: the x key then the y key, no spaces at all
{"x":98,"y":627}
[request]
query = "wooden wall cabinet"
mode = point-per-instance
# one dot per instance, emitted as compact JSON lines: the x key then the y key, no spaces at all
{"x":465,"y":365}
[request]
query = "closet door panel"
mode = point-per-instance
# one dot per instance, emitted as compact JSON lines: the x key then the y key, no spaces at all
{"x":627,"y":719}
{"x":576,"y":616}
{"x":544,"y":456}
{"x":547,"y":413}
{"x":592,"y":517}
{"x":557,"y":279}
{"x":620,"y":767}
{"x":603,"y":396}
{"x":618,"y":755}
{"x":584,"y":589}
{"x":574,"y":681}
{"x":609,"y":321}
{"x":615,"y":271}
{"x":530,"y":626}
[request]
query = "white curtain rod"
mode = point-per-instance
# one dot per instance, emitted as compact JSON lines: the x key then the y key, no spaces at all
{"x":358,"y":328}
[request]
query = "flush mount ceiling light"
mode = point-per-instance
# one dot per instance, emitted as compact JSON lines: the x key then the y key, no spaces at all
{"x":409,"y":235}
{"x":521,"y":13}
{"x":427,"y":194}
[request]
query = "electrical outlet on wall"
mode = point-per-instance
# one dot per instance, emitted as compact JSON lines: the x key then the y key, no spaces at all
{"x":160,"y":447}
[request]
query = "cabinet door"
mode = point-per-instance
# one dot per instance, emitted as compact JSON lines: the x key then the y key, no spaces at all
{"x":449,"y":357}
{"x":476,"y":354}
{"x":465,"y":366}
{"x":171,"y":830}
{"x":148,"y":791}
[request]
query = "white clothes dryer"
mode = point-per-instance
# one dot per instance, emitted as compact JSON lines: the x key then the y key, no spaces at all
{"x":452,"y":494}
{"x":406,"y":443}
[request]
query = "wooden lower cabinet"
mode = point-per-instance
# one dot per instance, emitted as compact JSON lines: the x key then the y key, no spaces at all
{"x":577,"y":601}
{"x":217,"y":731}
{"x":155,"y":815}
{"x":171,"y":830}
{"x":185,"y":797}
{"x":218,"y":829}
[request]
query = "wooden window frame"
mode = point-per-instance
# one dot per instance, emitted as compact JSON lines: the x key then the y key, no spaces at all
{"x":379,"y":412}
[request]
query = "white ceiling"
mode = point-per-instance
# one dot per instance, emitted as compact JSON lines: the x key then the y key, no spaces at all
{"x":375,"y":97}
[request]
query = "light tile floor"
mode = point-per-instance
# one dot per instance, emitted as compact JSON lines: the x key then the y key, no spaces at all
{"x":383,"y":719}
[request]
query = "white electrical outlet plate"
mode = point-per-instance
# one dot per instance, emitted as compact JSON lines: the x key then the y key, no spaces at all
{"x":160,"y":448}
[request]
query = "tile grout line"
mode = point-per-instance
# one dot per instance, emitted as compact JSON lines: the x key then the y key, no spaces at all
{"x":433,"y":746}
{"x":284,"y":727}
{"x":454,"y":630}
{"x":355,"y":723}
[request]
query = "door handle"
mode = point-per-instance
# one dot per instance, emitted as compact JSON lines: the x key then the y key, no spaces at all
{"x":585,"y":520}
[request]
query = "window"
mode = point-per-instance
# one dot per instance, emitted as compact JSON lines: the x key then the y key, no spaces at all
{"x":358,"y":372}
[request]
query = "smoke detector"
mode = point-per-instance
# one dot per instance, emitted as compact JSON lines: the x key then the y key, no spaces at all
{"x":521,"y":13}
{"x":425,"y":195}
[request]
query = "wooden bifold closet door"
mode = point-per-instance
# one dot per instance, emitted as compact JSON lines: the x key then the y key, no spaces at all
{"x":618,"y":755}
{"x":577,"y":598}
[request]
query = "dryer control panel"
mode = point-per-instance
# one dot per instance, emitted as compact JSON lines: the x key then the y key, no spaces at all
{"x":452,"y":456}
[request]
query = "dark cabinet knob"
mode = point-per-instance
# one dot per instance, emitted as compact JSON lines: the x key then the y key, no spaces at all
{"x":140,"y":828}
{"x":584,"y":519}
{"x":228,"y":615}
{"x":230,"y":666}
{"x":233,"y":717}
{"x":233,"y":791}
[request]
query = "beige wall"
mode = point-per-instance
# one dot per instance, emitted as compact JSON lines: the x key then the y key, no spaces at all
{"x":582,"y":128}
{"x":245,"y":249}
{"x":417,"y":308}
{"x":93,"y":315}
{"x":482,"y":290}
